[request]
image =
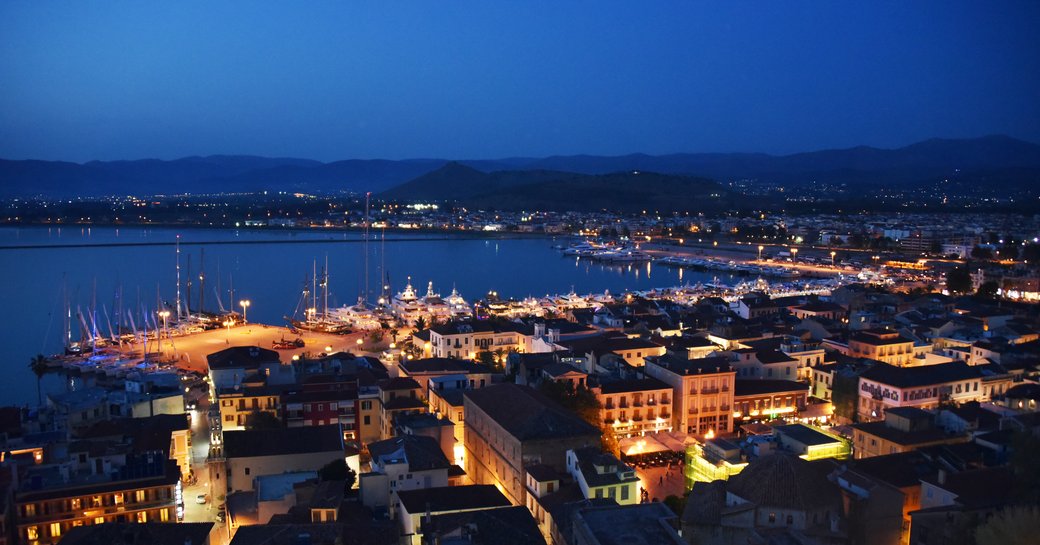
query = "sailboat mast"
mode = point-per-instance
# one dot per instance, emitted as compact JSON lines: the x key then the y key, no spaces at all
{"x":202,"y":280}
{"x":367,"y":223}
{"x":178,"y":260}
{"x":314,"y":285}
{"x":67,"y":312}
{"x":187,"y":298}
{"x":325,"y":287}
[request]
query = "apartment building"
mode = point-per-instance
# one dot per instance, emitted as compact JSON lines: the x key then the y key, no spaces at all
{"x":702,"y":391}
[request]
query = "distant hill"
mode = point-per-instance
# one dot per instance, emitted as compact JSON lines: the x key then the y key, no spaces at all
{"x":989,"y":158}
{"x":628,"y":191}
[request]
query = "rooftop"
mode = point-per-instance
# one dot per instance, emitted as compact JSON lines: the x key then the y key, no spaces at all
{"x":526,"y":414}
{"x":248,"y":357}
{"x":283,"y":441}
{"x":131,"y":533}
{"x":418,"y":451}
{"x":639,"y":524}
{"x":697,"y":366}
{"x":805,"y":435}
{"x":923,"y":375}
{"x":633,"y":385}
{"x":452,"y":498}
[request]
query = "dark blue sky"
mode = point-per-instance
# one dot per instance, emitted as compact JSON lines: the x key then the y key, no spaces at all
{"x":127,"y":80}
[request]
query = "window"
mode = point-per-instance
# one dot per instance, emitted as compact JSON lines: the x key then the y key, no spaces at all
{"x":97,"y":501}
{"x":247,"y":471}
{"x":99,"y":520}
{"x":55,"y":529}
{"x":772,"y":518}
{"x":164,"y":515}
{"x":229,"y":418}
{"x":142,"y":516}
{"x":368,"y":420}
{"x":117,"y":498}
{"x":790,"y":520}
{"x":140,"y":496}
{"x":366,"y":406}
{"x":75,"y":504}
{"x":32,"y":533}
{"x":30,"y":510}
{"x":624,"y":492}
{"x":459,"y":417}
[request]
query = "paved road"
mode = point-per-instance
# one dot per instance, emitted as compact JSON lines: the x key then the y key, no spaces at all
{"x":190,"y":351}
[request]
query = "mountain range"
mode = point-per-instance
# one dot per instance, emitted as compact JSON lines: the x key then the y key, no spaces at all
{"x":992,"y":158}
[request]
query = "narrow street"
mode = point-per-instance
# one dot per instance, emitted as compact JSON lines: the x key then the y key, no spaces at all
{"x":194,"y":511}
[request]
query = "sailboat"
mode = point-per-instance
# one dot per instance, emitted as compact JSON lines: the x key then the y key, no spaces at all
{"x":317,"y":318}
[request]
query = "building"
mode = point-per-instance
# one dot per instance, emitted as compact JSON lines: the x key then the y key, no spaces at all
{"x":601,"y":475}
{"x":463,"y":340}
{"x":424,"y":370}
{"x":398,"y":396}
{"x":230,"y":367}
{"x":239,"y":402}
{"x":153,"y":533}
{"x":885,"y":386}
{"x":615,"y":524}
{"x":702,"y":392}
{"x":249,"y":454}
{"x":322,"y":408}
{"x":765,"y":399}
{"x":414,"y":505}
{"x":877,"y":344}
{"x":509,"y":426}
{"x":953,"y":504}
{"x":774,"y":495}
{"x":810,"y":443}
{"x":51,"y":501}
{"x":635,"y":406}
{"x":904,"y":429}
{"x":406,"y":462}
{"x":483,"y":527}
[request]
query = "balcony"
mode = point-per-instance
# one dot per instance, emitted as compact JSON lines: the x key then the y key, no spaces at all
{"x":609,"y":406}
{"x":724,"y":408}
{"x":693,"y":410}
{"x":665,"y":416}
{"x":725,"y":388}
{"x":623,"y":405}
{"x":712,"y":390}
{"x":650,"y":402}
{"x":637,"y":403}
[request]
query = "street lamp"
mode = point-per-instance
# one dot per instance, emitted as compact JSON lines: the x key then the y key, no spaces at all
{"x":794,"y":255}
{"x":227,"y":324}
{"x":164,"y":314}
{"x":833,"y":253}
{"x":760,"y":248}
{"x":245,"y":309}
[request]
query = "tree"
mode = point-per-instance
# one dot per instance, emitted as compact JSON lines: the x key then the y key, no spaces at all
{"x":1018,"y":525}
{"x":485,"y":357}
{"x":958,"y":280}
{"x":260,"y":420}
{"x":837,"y":241}
{"x":337,"y":470}
{"x":981,"y":252}
{"x":676,"y":503}
{"x":393,"y":333}
{"x":988,"y":289}
{"x":38,"y":365}
{"x":845,"y":395}
{"x":1025,"y":465}
{"x":420,"y":323}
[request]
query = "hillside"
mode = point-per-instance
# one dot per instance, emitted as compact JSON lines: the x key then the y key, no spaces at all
{"x":987,"y":157}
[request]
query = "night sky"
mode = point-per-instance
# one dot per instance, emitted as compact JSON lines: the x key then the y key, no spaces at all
{"x":128,"y":80}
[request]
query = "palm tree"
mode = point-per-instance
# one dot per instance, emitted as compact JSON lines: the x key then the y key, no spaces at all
{"x":420,"y":323}
{"x":393,"y":334}
{"x":38,"y":365}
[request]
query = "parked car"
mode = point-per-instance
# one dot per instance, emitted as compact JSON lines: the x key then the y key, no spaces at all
{"x":200,"y":499}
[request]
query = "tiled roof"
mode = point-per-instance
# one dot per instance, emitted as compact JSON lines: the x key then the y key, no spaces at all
{"x":785,"y":482}
{"x":749,"y":387}
{"x":633,"y":385}
{"x":154,"y":533}
{"x":241,"y":356}
{"x":527,"y":414}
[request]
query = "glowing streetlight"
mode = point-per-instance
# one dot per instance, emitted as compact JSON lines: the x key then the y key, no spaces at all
{"x":833,"y":253}
{"x":794,"y":255}
{"x":164,"y":314}
{"x":760,"y":248}
{"x":245,"y":308}
{"x":227,"y":324}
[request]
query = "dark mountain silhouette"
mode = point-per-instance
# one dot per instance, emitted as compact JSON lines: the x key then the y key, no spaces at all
{"x":995,"y":159}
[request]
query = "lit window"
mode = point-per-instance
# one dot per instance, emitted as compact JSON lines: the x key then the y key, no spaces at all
{"x":32,"y":533}
{"x":55,"y":529}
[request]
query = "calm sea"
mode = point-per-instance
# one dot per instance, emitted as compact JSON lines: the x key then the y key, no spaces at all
{"x":268,"y":267}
